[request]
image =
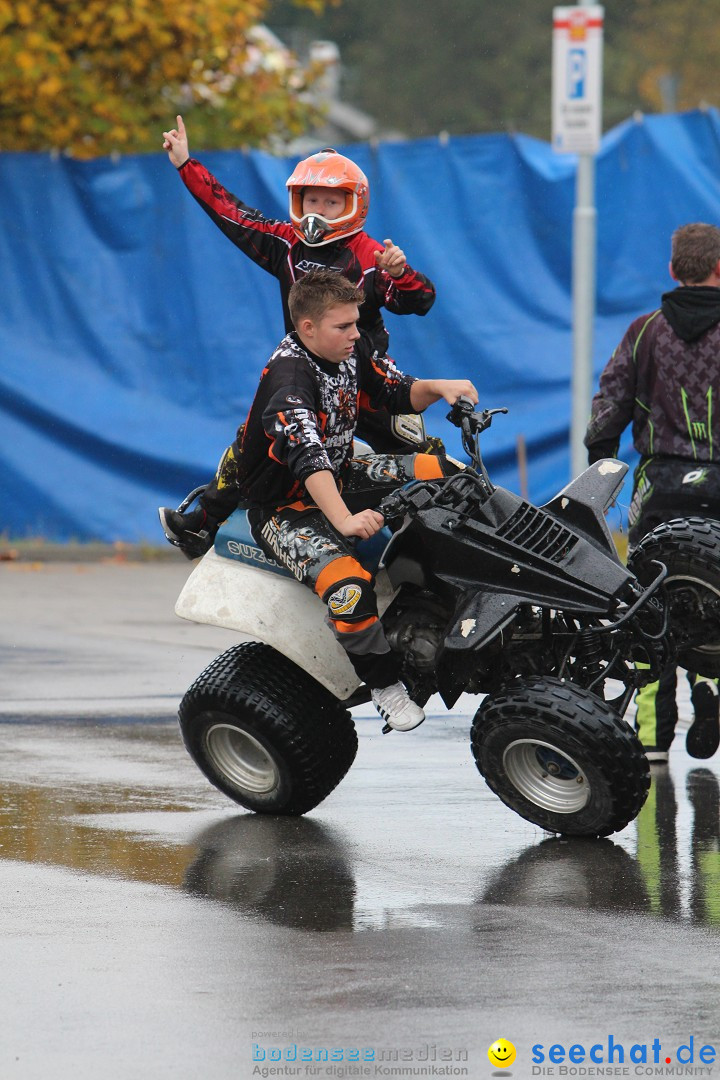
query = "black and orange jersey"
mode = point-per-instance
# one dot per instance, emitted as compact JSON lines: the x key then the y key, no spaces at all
{"x":304,"y":415}
{"x":274,"y":246}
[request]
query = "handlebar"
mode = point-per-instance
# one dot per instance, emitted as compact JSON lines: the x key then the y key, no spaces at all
{"x":463,"y":415}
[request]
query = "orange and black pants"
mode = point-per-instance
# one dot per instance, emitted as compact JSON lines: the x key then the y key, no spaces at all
{"x":300,"y":537}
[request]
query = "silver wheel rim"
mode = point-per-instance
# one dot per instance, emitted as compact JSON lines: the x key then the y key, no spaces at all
{"x":241,"y":759}
{"x":546,"y":776}
{"x":711,"y":650}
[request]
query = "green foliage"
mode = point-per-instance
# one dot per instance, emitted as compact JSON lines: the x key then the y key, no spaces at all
{"x":424,"y":66}
{"x":675,"y":40}
{"x":467,"y":66}
{"x":93,"y":76}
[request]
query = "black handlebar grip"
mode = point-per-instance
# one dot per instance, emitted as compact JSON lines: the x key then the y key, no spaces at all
{"x":392,"y":506}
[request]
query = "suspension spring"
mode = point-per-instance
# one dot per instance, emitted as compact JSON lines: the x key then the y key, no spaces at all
{"x":589,"y":652}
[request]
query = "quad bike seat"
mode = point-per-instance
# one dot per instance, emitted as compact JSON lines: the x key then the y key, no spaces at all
{"x":235,"y":541}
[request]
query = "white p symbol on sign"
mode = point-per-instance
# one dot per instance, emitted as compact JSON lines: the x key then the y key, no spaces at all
{"x":576,"y":71}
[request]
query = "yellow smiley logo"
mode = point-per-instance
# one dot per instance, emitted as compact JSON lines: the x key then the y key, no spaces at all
{"x":501,"y":1053}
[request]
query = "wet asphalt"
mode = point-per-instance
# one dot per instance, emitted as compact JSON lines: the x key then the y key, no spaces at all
{"x":152,"y":928}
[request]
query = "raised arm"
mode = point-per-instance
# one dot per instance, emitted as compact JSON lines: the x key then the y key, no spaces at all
{"x":262,"y":239}
{"x":176,"y":143}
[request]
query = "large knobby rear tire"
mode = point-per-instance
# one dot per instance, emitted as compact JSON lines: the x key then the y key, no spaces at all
{"x":560,"y":757}
{"x":690,"y":549}
{"x":265,"y":732}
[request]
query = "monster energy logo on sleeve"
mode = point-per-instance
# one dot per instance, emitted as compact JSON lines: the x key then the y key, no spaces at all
{"x":700,"y":430}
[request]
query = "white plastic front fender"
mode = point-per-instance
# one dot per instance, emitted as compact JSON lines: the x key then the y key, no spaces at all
{"x":268,"y":607}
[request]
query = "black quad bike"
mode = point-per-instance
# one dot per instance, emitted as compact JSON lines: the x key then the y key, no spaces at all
{"x":481,"y":593}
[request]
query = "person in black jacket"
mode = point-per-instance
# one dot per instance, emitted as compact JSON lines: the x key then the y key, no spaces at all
{"x":329,"y":199}
{"x":663,"y":379}
{"x":308,"y":497}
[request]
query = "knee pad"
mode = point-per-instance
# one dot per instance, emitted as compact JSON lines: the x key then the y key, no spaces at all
{"x":351,"y":600}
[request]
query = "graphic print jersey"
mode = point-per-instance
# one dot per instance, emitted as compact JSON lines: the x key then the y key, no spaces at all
{"x":304,"y":416}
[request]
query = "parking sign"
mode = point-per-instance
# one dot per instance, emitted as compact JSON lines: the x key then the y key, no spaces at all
{"x":577,"y":79}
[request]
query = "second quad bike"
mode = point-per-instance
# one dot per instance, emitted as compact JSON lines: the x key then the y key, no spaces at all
{"x":481,"y":593}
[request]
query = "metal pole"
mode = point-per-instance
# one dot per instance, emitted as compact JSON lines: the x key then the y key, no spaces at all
{"x":577,"y":110}
{"x":583,"y":304}
{"x":521,"y":447}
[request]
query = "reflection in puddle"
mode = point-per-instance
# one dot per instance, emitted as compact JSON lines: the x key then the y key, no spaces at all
{"x":291,"y":871}
{"x":601,"y":875}
{"x":660,"y":847}
{"x":123,"y":801}
{"x":295,"y":872}
{"x":80,"y":771}
{"x":657,"y":845}
{"x":38,"y":825}
{"x":703,"y":793}
{"x":589,"y":874}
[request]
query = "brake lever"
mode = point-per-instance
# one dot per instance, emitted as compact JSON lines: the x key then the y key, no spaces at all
{"x":463,"y":415}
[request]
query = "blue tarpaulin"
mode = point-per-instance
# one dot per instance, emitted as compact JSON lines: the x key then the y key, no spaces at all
{"x":132,"y":333}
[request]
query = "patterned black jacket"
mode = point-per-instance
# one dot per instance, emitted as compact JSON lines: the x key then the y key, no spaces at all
{"x":274,"y":246}
{"x":304,"y":415}
{"x":664,"y":378}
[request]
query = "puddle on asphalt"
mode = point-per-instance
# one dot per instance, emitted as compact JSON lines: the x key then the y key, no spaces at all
{"x":115,"y":801}
{"x":673,"y":871}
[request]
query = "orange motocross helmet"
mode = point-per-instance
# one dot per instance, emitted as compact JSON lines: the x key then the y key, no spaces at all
{"x":328,"y":169}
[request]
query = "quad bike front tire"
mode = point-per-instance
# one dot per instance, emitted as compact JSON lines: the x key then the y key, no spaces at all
{"x":690,"y":549}
{"x":265,"y":732}
{"x":560,"y":757}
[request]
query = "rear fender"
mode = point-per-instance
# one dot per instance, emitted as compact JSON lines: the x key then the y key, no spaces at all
{"x":266,"y":606}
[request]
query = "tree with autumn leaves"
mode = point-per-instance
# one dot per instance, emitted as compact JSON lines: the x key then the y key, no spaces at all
{"x":90,"y":77}
{"x":676,"y":40}
{"x":93,"y":76}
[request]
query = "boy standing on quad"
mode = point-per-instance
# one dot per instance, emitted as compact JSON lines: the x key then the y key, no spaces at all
{"x":308,"y":498}
{"x":329,"y":200}
{"x":329,"y":203}
{"x":662,"y":378}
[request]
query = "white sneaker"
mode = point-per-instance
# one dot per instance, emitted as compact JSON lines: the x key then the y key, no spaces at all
{"x":397,"y":708}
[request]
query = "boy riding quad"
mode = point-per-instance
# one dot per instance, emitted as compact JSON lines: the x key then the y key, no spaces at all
{"x":474,"y":591}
